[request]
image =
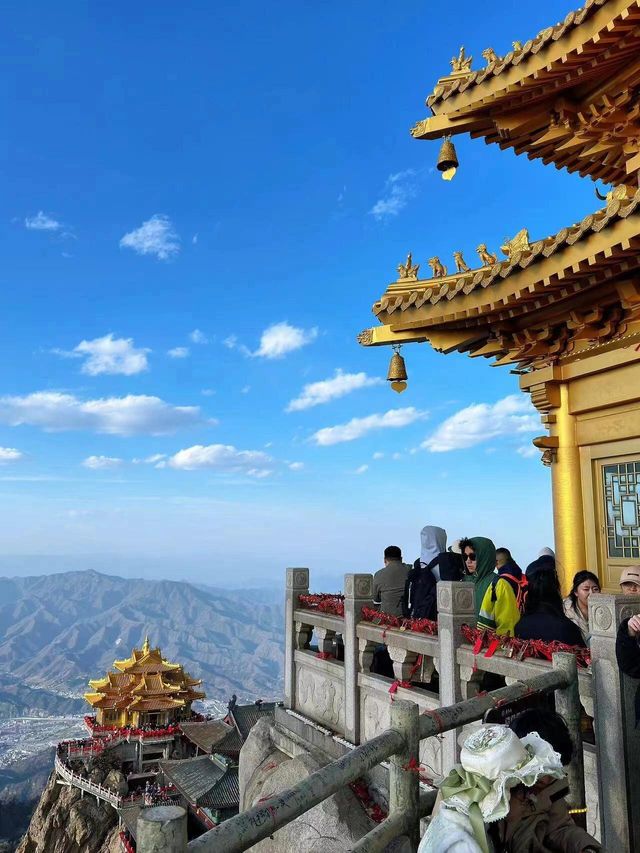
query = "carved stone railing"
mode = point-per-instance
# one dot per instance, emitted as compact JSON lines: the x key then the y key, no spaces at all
{"x":93,"y":788}
{"x":355,"y":703}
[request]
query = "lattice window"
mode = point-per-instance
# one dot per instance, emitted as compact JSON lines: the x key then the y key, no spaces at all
{"x":621,"y":484}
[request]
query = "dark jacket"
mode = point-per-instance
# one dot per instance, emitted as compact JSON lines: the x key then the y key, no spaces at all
{"x":388,"y":587}
{"x":549,"y":625}
{"x":628,"y":655}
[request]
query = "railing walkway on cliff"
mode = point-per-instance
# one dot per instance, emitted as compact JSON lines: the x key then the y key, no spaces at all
{"x":164,"y":831}
{"x":333,"y":687}
{"x":95,"y":789}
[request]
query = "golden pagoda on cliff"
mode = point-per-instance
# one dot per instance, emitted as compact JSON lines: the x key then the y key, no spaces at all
{"x":145,"y":690}
{"x":562,"y":311}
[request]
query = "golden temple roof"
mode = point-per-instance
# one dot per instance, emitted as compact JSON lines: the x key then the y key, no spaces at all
{"x":145,"y":681}
{"x":549,"y":299}
{"x":568,"y":96}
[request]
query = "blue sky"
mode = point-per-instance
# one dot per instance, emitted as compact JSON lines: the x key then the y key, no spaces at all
{"x":201,"y":203}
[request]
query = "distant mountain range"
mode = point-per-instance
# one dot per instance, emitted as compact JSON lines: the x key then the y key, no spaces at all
{"x":59,"y":630}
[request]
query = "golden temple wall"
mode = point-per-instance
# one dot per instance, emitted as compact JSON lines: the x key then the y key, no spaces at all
{"x":592,"y":409}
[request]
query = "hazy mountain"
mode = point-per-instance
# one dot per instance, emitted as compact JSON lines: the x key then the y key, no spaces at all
{"x":56,"y":631}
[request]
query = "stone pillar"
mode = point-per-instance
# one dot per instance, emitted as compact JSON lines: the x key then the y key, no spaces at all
{"x":297,"y":584}
{"x":617,"y":742}
{"x":162,"y":829}
{"x":404,"y":783}
{"x":568,"y":706}
{"x":455,"y":608}
{"x":358,"y":593}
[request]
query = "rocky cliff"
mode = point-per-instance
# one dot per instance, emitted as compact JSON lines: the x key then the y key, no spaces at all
{"x":64,"y":822}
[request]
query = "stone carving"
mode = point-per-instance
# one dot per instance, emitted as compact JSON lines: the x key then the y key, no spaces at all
{"x":463,"y":600}
{"x":603,"y":617}
{"x":325,"y":638}
{"x":486,"y":258}
{"x":461,"y":64}
{"x":364,"y":586}
{"x":444,"y":599}
{"x":366,"y":649}
{"x":348,"y":586}
{"x":627,"y":611}
{"x":461,"y":264}
{"x":438,"y":269}
{"x":297,"y":578}
{"x":320,"y":697}
{"x":408,"y":271}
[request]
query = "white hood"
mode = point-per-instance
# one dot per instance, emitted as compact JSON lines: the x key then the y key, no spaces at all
{"x":433,"y":541}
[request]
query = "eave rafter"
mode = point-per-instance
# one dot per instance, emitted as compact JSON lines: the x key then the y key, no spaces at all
{"x":570,"y":97}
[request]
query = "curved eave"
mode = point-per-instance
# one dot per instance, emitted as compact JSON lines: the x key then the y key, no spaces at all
{"x":602,"y":246}
{"x":585,"y":34}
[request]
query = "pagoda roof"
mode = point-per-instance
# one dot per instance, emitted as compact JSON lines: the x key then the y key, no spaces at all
{"x":207,"y":781}
{"x":550,"y":298}
{"x":207,"y":735}
{"x":144,"y":682}
{"x":567,"y":96}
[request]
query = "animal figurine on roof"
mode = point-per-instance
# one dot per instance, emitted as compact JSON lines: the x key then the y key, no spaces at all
{"x":487,"y":259}
{"x":438,"y":269}
{"x":490,"y":55}
{"x":461,"y":264}
{"x":408,"y":270}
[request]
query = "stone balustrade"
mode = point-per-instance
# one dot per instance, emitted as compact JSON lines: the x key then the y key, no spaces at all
{"x":345,"y":697}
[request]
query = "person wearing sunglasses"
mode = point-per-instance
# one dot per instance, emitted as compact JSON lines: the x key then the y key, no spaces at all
{"x":480,"y":564}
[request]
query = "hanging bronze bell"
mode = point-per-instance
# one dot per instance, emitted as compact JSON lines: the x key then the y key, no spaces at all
{"x":397,"y":374}
{"x":447,"y":159}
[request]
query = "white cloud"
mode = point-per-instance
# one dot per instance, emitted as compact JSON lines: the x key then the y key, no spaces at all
{"x":10,"y":454}
{"x":398,"y":190}
{"x":527,"y":451}
{"x":42,"y":222}
{"x":281,"y":338}
{"x":317,"y":393}
{"x":378,"y":455}
{"x":208,"y":392}
{"x":97,"y":463}
{"x":156,"y":237}
{"x":231,"y":342}
{"x":194,"y":239}
{"x":357,"y":427}
{"x":296,"y":466}
{"x":134,"y":414}
{"x":361,"y":469}
{"x":513,"y":415}
{"x":150,"y":460}
{"x":198,"y":337}
{"x":111,"y":355}
{"x":223,"y":457}
{"x":245,"y":389}
{"x":396,"y":456}
{"x":178,"y":352}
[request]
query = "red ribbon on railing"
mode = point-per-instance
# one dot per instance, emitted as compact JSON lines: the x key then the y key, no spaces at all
{"x":406,"y":684}
{"x":387,"y":620}
{"x":521,"y":649}
{"x":323,"y":602}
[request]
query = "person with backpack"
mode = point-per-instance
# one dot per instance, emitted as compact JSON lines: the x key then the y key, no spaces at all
{"x":434,"y":564}
{"x":499,"y":609}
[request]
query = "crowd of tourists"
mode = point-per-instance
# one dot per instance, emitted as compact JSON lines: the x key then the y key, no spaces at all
{"x":507,"y":793}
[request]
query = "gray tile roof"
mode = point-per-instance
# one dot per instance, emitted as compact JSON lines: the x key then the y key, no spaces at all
{"x":207,"y":735}
{"x":246,"y":716}
{"x":207,"y":780}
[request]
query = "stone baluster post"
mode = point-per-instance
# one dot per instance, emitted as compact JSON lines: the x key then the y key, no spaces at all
{"x":455,"y":608}
{"x":404,"y":786}
{"x":297,"y":584}
{"x":568,"y":706}
{"x":358,"y":593}
{"x":617,"y":742}
{"x":162,"y":829}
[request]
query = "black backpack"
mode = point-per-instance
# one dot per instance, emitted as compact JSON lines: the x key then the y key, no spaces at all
{"x":420,"y":593}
